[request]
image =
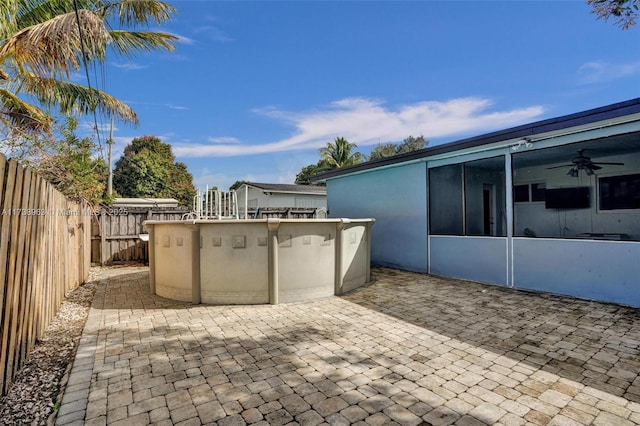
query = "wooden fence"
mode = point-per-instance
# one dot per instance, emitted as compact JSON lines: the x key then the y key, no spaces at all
{"x":115,"y":232}
{"x":44,"y":253}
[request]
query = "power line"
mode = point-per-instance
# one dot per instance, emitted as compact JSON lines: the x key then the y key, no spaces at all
{"x":86,"y":70}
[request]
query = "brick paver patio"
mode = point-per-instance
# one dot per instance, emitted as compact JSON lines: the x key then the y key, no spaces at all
{"x":409,"y":349}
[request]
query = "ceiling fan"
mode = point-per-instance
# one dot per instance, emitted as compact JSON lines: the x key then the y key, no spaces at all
{"x":582,"y":162}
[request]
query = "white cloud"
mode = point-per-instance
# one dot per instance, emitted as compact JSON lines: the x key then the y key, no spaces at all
{"x":129,"y":66}
{"x":182,"y":39}
{"x":370,"y":121}
{"x":599,"y":72}
{"x":224,"y":140}
{"x":213,"y":32}
{"x":178,"y":107}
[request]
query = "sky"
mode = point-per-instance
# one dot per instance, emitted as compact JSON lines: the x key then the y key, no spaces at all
{"x":255,"y":88}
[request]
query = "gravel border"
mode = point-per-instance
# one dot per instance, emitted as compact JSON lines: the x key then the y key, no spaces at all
{"x":37,"y":389}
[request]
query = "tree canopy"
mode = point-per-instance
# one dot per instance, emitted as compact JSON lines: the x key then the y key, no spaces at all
{"x":304,"y":177}
{"x":237,"y":184}
{"x":147,"y":168}
{"x":339,"y":153}
{"x":68,"y":162}
{"x":43,"y":42}
{"x":385,"y":150}
{"x":625,"y":12}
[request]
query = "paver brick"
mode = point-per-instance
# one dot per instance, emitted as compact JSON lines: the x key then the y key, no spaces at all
{"x":315,"y":398}
{"x":294,"y":404}
{"x":487,"y":412}
{"x":119,"y":399}
{"x":514,"y":407}
{"x":605,"y":419}
{"x":232,"y":407}
{"x":270,"y":407}
{"x":159,"y":414}
{"x":354,"y":413}
{"x":210,"y":411}
{"x":510,"y":419}
{"x":252,"y":415}
{"x":561,"y":420}
{"x":138,"y":420}
{"x":330,"y":406}
{"x":310,"y":418}
{"x":378,"y":419}
{"x":401,"y":415}
{"x":537,"y":418}
{"x":376,"y":403}
{"x":428,"y":397}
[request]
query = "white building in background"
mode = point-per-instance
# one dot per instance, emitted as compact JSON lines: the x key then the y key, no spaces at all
{"x":254,"y":197}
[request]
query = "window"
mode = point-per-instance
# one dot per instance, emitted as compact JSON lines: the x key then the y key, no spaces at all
{"x":530,"y":192}
{"x":602,"y":205}
{"x":468,"y":198}
{"x":521,"y":194}
{"x":619,"y":192}
{"x":445,"y":200}
{"x":538,"y":191}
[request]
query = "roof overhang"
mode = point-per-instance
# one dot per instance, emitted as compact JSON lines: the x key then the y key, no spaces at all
{"x":319,"y":193}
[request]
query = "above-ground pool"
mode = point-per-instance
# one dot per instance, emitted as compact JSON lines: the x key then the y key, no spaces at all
{"x":257,"y":261}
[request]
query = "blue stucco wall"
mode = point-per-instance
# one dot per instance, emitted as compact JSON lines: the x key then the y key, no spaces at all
{"x":598,"y":270}
{"x":397,"y":199}
{"x":482,"y":259}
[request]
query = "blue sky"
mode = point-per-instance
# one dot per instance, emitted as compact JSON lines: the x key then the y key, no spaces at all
{"x":253,"y":89}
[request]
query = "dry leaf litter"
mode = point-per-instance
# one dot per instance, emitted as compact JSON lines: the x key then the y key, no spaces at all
{"x":38,"y":387}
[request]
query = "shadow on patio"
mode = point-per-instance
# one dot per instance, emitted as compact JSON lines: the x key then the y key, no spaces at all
{"x":408,"y":349}
{"x":592,"y":343}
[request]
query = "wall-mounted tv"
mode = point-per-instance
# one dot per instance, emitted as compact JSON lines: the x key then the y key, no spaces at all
{"x":567,"y":198}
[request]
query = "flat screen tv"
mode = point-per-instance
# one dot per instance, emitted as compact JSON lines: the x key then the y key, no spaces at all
{"x":567,"y":198}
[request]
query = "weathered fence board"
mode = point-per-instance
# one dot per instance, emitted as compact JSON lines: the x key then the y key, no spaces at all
{"x":115,"y":232}
{"x":44,"y":253}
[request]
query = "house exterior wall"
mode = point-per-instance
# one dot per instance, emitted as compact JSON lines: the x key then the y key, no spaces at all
{"x":556,"y":261}
{"x":481,"y":259}
{"x":397,"y":199}
{"x":599,"y":270}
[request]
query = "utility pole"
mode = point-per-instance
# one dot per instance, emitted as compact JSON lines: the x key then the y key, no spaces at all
{"x":110,"y":180}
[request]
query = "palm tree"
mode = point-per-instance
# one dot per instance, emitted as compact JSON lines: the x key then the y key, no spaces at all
{"x":42,"y":42}
{"x":339,"y":154}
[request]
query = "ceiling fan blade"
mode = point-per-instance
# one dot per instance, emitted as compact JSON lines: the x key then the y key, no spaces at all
{"x":557,"y":167}
{"x":610,"y":164}
{"x":593,"y":166}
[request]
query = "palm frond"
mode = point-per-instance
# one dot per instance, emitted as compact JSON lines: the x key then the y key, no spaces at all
{"x":76,"y":98}
{"x":8,"y":11}
{"x":132,"y":12}
{"x":128,"y":43}
{"x":54,"y":46}
{"x":32,"y":12}
{"x":19,"y":114}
